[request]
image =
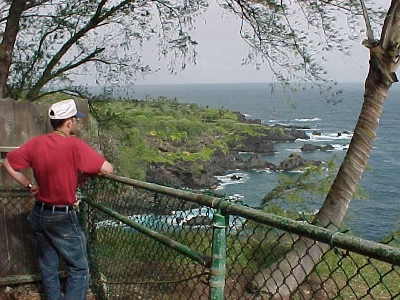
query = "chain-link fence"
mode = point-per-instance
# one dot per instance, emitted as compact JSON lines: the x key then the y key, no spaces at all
{"x":18,"y":261}
{"x":16,"y":244}
{"x":151,"y":242}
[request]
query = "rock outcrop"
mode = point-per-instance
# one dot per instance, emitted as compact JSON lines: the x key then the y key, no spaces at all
{"x":312,"y":148}
{"x":295,"y":161}
{"x":256,"y":144}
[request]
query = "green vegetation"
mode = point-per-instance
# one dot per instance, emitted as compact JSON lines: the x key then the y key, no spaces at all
{"x":294,"y":192}
{"x":165,"y":131}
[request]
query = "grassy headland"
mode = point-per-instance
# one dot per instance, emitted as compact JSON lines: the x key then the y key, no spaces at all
{"x":140,"y":136}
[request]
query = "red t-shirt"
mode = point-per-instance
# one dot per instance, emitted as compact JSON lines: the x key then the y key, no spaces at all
{"x":56,"y":161}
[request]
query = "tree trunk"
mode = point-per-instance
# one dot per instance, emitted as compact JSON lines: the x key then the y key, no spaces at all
{"x":338,"y":199}
{"x":7,"y":44}
{"x":282,"y":278}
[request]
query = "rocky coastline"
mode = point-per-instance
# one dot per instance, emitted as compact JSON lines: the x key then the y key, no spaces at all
{"x":180,"y":174}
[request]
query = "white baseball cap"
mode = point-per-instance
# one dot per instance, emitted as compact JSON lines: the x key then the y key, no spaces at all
{"x":64,"y":109}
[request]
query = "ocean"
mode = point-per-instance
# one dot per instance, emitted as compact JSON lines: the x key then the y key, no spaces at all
{"x":372,"y":219}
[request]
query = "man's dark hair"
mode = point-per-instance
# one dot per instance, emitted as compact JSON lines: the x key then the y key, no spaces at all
{"x":57,"y":123}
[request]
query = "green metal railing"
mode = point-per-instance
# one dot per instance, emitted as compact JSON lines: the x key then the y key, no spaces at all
{"x":218,"y":259}
{"x":148,"y":241}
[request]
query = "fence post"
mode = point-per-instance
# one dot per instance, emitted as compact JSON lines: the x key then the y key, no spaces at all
{"x":218,"y":257}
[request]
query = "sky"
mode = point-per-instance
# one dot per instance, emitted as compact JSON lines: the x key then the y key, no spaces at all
{"x":220,"y":53}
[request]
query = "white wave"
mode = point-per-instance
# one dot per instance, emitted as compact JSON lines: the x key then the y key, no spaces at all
{"x":325,"y":137}
{"x":232,"y":178}
{"x":293,"y":149}
{"x":177,"y":218}
{"x":243,"y":152}
{"x":282,"y":122}
{"x":182,"y":217}
{"x":308,"y":120}
{"x":340,"y":147}
{"x":185,"y":216}
{"x":235,"y":197}
{"x":263,"y":171}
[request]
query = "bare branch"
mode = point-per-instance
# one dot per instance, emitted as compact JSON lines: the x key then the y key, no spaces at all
{"x":370,"y":34}
{"x":96,"y":19}
{"x":88,"y":58}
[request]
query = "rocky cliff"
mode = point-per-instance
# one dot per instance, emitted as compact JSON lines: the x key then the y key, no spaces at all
{"x":201,"y":174}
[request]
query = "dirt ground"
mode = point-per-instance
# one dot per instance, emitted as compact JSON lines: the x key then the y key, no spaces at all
{"x":310,"y":290}
{"x":28,"y":291}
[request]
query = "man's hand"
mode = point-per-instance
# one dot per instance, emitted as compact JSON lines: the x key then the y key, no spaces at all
{"x":33,"y":190}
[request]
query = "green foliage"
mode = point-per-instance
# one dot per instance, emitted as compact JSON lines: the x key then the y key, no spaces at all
{"x":80,"y":38}
{"x":132,"y":160}
{"x":203,"y":155}
{"x":165,"y":131}
{"x":294,"y":189}
{"x":367,"y":279}
{"x":312,"y":181}
{"x":103,"y":40}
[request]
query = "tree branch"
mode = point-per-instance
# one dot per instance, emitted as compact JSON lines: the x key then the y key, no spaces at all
{"x":96,"y":19}
{"x":78,"y":63}
{"x":370,"y":34}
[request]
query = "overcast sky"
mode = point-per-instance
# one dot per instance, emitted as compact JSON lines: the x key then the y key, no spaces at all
{"x":220,"y":53}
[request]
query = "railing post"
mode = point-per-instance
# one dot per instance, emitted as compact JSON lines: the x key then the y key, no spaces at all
{"x":218,"y":257}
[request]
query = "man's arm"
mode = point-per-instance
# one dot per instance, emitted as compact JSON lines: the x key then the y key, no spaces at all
{"x":17,"y":175}
{"x":106,"y":168}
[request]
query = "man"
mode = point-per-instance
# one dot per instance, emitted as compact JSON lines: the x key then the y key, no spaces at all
{"x":57,"y":159}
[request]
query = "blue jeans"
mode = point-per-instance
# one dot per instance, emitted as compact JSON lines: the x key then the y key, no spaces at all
{"x":58,"y":234}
